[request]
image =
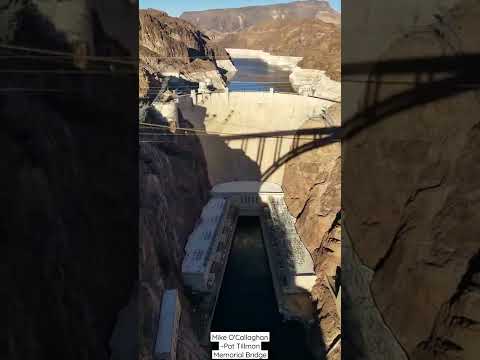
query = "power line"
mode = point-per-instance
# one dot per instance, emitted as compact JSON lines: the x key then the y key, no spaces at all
{"x":259,"y":82}
{"x":406,"y":82}
{"x":285,"y":83}
{"x":245,"y":90}
{"x":71,"y":55}
{"x":66,"y":72}
{"x":215,"y":133}
{"x":184,"y":129}
{"x":34,"y":90}
{"x":180,"y":87}
{"x":58,"y":54}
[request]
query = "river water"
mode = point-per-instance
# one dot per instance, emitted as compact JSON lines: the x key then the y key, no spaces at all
{"x":257,"y":75}
{"x":247,"y":298}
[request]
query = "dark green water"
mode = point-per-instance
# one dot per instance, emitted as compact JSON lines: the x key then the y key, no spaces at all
{"x":247,"y":298}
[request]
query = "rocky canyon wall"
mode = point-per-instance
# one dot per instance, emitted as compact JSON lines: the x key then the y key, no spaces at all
{"x":69,"y":185}
{"x":312,"y":183}
{"x":175,"y":48}
{"x":174,"y":188}
{"x":409,"y":188}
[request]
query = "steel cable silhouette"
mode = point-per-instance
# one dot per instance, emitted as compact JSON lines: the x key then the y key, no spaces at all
{"x":456,"y":74}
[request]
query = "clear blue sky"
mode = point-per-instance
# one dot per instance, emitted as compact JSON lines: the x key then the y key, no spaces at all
{"x":176,"y":7}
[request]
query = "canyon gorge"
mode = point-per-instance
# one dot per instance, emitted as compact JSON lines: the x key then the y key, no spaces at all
{"x":311,"y":181}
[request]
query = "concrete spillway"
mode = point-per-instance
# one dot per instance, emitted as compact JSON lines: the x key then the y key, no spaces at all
{"x":248,"y":159}
{"x":208,"y":251}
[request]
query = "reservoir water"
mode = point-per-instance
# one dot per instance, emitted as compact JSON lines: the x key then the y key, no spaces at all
{"x":247,"y":298}
{"x":257,"y":75}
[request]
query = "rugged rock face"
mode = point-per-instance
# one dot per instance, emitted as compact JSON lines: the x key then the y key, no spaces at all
{"x":410,"y":194}
{"x":173,"y":190}
{"x":234,"y":20}
{"x":364,"y":333}
{"x":318,"y":42}
{"x":69,"y":184}
{"x":173,"y":47}
{"x":312,"y":192}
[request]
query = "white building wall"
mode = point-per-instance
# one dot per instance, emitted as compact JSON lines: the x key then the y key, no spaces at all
{"x":167,"y":334}
{"x":203,"y":240}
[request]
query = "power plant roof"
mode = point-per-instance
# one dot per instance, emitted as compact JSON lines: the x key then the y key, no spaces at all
{"x":167,"y":325}
{"x":199,"y":243}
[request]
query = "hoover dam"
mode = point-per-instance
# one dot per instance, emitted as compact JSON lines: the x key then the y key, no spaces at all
{"x":232,"y":125}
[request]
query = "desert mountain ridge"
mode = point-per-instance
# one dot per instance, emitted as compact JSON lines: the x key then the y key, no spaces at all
{"x":238,"y":19}
{"x":308,"y":29}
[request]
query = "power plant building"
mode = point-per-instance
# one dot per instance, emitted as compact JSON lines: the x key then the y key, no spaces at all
{"x":209,"y":245}
{"x":169,"y":320}
{"x":202,"y":245}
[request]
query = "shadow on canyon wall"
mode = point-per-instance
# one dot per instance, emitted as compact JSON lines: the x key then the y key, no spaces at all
{"x":69,"y":192}
{"x":224,"y":164}
{"x":408,"y":165}
{"x":174,"y":188}
{"x":428,"y":79}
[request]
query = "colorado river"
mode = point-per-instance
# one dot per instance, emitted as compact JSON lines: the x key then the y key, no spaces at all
{"x":247,"y":298}
{"x":257,"y":75}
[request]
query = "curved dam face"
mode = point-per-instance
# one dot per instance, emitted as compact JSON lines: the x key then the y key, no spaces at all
{"x":237,"y":148}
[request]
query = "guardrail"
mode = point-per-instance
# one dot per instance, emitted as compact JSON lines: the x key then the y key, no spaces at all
{"x":185,"y":92}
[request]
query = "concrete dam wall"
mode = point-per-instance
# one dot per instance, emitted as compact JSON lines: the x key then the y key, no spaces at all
{"x":224,"y":115}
